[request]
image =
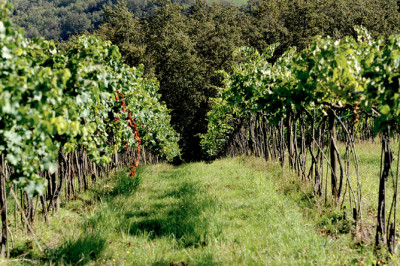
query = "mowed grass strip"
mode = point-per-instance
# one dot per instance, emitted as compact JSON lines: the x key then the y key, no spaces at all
{"x":231,"y":211}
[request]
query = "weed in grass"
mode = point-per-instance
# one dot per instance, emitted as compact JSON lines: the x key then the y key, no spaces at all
{"x":125,"y":184}
{"x":334,"y":222}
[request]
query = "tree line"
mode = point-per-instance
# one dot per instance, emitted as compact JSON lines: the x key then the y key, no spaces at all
{"x":60,"y":19}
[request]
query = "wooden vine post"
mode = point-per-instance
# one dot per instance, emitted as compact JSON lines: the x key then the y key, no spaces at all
{"x":381,"y":238}
{"x":334,"y":181}
{"x":3,"y":206}
{"x":290,"y":138}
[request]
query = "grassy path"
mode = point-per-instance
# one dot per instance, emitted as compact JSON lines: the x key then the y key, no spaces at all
{"x":230,"y":212}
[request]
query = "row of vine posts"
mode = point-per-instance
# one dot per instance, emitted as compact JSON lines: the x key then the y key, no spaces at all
{"x":310,"y":143}
{"x":75,"y":174}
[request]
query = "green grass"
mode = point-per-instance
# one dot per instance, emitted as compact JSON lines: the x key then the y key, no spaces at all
{"x":239,"y":211}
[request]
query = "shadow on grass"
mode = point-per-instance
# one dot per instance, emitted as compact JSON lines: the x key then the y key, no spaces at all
{"x":179,"y":212}
{"x":200,"y":259}
{"x":91,"y":243}
{"x":86,"y":248}
{"x":182,"y":213}
{"x":184,"y":218}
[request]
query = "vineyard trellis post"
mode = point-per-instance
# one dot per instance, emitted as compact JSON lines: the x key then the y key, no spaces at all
{"x":3,"y":206}
{"x":333,"y":156}
{"x":386,"y":164}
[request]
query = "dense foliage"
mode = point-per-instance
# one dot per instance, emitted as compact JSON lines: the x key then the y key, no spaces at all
{"x":57,"y":19}
{"x":61,"y":19}
{"x":183,"y":49}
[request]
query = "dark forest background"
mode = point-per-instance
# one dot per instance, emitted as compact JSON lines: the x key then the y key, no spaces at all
{"x":184,"y":43}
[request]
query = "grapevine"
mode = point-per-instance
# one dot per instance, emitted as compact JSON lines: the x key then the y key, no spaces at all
{"x":131,"y":124}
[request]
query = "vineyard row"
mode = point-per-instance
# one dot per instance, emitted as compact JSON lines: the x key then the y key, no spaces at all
{"x":304,"y":104}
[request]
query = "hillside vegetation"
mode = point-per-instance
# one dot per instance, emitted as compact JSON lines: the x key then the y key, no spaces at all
{"x":60,"y":19}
